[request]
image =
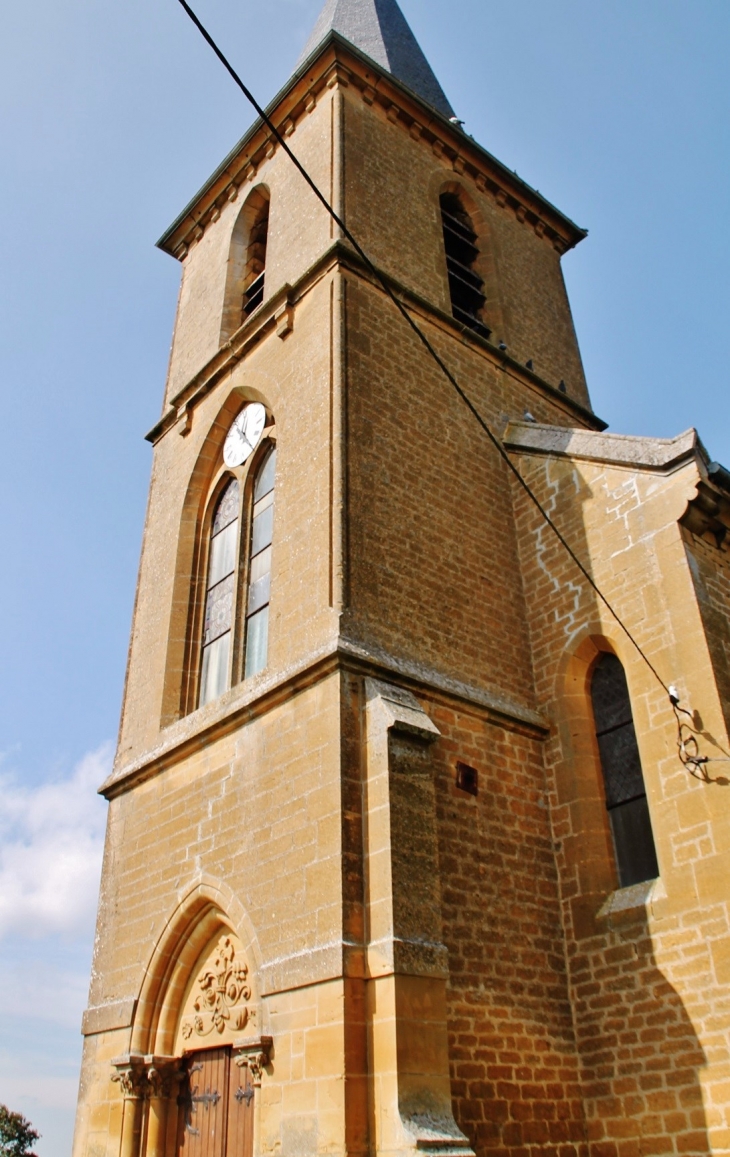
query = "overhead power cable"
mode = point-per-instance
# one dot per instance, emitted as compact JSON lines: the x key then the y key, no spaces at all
{"x":385,"y":284}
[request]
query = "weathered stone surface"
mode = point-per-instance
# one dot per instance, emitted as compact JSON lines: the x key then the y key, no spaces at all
{"x":404,"y":966}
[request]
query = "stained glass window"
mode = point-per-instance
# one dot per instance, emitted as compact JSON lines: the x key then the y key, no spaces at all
{"x":623,"y":777}
{"x":259,"y":578}
{"x":215,"y":670}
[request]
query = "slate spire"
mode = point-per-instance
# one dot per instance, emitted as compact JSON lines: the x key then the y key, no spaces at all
{"x":380,"y":30}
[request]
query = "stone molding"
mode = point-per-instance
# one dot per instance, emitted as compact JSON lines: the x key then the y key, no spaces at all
{"x":114,"y":1014}
{"x":245,"y":702}
{"x":400,"y":710}
{"x":277,"y":315}
{"x":375,"y":86}
{"x":663,"y":454}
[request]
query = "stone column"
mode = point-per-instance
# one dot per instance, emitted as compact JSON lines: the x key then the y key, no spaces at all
{"x":407,"y":963}
{"x":130,"y":1071}
{"x":163,"y":1077}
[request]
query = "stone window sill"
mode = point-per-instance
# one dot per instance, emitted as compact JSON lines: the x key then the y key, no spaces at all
{"x":627,"y":904}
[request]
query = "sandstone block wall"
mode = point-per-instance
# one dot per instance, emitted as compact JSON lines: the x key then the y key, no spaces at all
{"x":646,"y":964}
{"x":415,"y":950}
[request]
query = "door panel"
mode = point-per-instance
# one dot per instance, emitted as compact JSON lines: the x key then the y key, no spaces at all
{"x":240,"y":1113}
{"x":204,"y":1104}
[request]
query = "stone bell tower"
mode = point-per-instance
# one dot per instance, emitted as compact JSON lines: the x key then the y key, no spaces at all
{"x":341,"y":908}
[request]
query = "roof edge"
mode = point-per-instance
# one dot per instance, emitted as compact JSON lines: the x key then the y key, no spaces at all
{"x":663,"y":454}
{"x":334,"y":39}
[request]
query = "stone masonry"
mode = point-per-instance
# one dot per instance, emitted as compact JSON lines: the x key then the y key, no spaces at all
{"x":400,"y":965}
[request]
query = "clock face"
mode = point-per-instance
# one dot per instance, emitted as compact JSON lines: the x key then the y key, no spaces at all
{"x":244,"y":434}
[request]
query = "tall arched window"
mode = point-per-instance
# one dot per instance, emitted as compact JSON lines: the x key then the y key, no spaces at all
{"x":235,"y":628}
{"x":244,"y":290}
{"x":253,"y":291}
{"x":623,"y":777}
{"x":465,"y":285}
{"x":259,"y":573}
{"x":219,"y":596}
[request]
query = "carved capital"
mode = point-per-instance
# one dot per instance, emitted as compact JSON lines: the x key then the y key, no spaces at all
{"x":130,"y":1073}
{"x":255,"y":1055}
{"x":163,"y":1075}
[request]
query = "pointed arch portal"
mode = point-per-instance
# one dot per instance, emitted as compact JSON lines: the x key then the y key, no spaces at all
{"x":189,"y":1081}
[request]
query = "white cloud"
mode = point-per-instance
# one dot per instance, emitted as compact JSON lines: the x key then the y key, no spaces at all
{"x":51,"y":843}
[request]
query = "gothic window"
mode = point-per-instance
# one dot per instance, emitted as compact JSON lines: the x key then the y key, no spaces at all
{"x":235,"y":628}
{"x":626,"y":800}
{"x":465,"y":285}
{"x":253,"y":293}
{"x":219,"y":596}
{"x":259,"y":581}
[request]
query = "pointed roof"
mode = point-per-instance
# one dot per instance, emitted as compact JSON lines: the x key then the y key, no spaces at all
{"x":380,"y":30}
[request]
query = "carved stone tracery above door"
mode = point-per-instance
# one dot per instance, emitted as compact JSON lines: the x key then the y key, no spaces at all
{"x":218,"y":1006}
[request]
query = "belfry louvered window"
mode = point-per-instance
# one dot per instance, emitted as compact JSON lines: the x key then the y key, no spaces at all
{"x":220,"y":593}
{"x":253,"y":293}
{"x":623,"y":777}
{"x":465,"y":285}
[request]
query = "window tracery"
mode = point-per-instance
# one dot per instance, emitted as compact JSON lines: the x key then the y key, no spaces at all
{"x":237,"y":589}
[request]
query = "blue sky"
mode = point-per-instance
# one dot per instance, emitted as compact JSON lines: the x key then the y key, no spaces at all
{"x":111,"y":116}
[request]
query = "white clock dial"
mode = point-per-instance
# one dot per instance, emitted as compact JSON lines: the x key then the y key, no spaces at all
{"x":244,"y":434}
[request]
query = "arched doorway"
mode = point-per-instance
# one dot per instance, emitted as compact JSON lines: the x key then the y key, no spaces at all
{"x":197,"y":1054}
{"x":215,"y":1105}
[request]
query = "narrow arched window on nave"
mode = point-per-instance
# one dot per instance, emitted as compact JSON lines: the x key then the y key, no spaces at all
{"x":623,"y":778}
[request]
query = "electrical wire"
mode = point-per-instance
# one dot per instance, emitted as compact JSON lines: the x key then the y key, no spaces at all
{"x":696,"y":761}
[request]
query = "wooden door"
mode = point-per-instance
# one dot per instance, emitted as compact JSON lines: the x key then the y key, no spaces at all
{"x":240,"y":1113}
{"x":216,"y":1107}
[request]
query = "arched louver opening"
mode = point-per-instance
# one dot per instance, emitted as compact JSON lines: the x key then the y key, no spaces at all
{"x":259,"y":572}
{"x":219,"y":596}
{"x":253,"y":293}
{"x":465,"y":285}
{"x":623,"y":777}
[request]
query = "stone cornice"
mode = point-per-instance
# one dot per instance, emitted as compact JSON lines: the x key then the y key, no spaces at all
{"x":708,"y":513}
{"x":337,"y":62}
{"x":277,"y":315}
{"x":655,"y":454}
{"x":258,"y":696}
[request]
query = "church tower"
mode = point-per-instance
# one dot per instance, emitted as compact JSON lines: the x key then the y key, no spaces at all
{"x":400,"y":854}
